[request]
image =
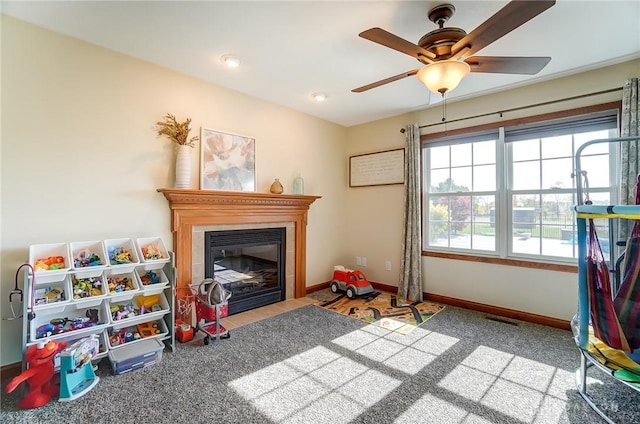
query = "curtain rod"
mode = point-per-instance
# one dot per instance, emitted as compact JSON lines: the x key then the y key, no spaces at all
{"x":500,"y":112}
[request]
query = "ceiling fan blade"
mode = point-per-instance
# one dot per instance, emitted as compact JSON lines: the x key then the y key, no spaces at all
{"x":384,"y":81}
{"x":504,"y":21}
{"x":507,"y":65}
{"x":380,"y":36}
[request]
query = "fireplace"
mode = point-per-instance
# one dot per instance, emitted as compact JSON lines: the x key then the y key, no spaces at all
{"x":249,"y":263}
{"x":193,"y":212}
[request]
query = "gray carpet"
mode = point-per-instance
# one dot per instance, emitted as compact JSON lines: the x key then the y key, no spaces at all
{"x":315,"y":366}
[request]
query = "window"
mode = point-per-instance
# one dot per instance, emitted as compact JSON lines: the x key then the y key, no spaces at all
{"x":510,"y":192}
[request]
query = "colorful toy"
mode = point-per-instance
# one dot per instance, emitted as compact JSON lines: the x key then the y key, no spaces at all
{"x":87,"y":287}
{"x":353,"y":282}
{"x":85,"y":258}
{"x":119,"y":255}
{"x":151,"y":253}
{"x":59,"y":325}
{"x":148,"y":329}
{"x":119,"y":283}
{"x":76,"y":372}
{"x":149,"y":277}
{"x":50,"y":263}
{"x":119,"y":312}
{"x":38,"y":375}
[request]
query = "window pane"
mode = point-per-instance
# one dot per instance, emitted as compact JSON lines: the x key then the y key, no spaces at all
{"x":526,"y":175}
{"x":557,"y":147}
{"x":440,"y":181}
{"x":597,"y":168}
{"x":461,"y":154}
{"x":525,"y":150}
{"x":439,"y":157}
{"x":556,"y":173}
{"x":484,"y":178}
{"x":461,"y":179}
{"x":582,"y":138}
{"x":484,"y":152}
{"x":483,"y":235}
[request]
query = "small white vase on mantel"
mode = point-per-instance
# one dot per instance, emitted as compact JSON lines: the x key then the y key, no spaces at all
{"x":183,"y":167}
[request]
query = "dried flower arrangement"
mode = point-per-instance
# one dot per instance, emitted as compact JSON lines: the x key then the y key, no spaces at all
{"x":177,"y":131}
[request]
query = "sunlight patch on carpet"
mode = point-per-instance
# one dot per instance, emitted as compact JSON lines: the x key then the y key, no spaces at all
{"x":383,"y":309}
{"x":406,"y":353}
{"x":318,"y":385}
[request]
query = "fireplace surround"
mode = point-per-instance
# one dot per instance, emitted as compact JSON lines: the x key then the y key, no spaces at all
{"x":195,"y":211}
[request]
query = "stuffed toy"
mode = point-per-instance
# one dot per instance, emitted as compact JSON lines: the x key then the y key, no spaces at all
{"x":38,"y":375}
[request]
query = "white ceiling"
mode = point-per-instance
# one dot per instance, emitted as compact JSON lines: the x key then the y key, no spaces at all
{"x":290,"y":50}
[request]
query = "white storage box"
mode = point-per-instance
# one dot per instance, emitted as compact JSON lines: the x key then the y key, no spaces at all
{"x":118,"y":337}
{"x":89,"y":291}
{"x":89,"y":258}
{"x":121,"y":286}
{"x":152,"y":252}
{"x":70,"y":321}
{"x":152,"y":280}
{"x":51,"y":262}
{"x":122,"y":255}
{"x":52,"y":296}
{"x":131,"y":312}
{"x":136,"y":356}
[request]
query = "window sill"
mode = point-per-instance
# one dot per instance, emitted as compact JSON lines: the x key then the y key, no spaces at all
{"x":501,"y":261}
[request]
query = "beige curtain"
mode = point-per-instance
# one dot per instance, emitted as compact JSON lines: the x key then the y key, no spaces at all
{"x":410,"y":283}
{"x":629,"y":151}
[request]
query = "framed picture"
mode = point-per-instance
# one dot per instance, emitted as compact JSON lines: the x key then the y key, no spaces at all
{"x":379,"y":168}
{"x":227,"y":161}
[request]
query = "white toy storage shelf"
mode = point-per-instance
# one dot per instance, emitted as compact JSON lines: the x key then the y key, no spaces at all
{"x":124,"y":299}
{"x":582,"y":326}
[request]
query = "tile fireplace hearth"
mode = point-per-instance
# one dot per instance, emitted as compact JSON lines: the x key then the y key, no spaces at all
{"x":193,"y":212}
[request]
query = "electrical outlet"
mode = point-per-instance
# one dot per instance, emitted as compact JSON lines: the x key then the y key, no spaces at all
{"x":364,"y":261}
{"x":387,"y":265}
{"x":358,"y":260}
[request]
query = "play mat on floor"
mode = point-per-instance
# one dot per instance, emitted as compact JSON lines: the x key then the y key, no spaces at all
{"x":380,"y":308}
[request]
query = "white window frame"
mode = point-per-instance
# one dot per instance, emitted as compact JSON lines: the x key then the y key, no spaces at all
{"x":503,"y":194}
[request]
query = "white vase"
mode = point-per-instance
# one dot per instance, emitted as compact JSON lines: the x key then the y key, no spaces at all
{"x":183,"y":167}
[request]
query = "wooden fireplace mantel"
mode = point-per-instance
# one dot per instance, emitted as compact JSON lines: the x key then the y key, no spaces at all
{"x":206,"y":207}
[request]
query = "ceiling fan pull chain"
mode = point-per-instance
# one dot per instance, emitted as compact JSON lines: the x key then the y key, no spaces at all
{"x":444,"y":108}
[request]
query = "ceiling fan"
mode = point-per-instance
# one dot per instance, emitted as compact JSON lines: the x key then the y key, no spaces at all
{"x":447,"y":52}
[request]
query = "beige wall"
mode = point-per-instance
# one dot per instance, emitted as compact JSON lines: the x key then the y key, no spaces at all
{"x":81,"y":160}
{"x":375,"y":213}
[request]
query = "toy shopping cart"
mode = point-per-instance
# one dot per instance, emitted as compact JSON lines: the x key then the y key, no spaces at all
{"x":212,"y":305}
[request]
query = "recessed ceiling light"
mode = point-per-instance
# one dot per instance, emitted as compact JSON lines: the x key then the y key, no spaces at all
{"x":230,"y":60}
{"x":319,"y":97}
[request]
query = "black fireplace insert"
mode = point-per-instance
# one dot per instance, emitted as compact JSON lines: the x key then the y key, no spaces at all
{"x":250,"y":263}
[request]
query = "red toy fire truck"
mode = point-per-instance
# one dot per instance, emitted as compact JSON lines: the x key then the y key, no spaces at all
{"x":353,"y":282}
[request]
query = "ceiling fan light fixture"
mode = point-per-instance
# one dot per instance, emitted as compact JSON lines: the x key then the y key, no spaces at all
{"x":443,"y":76}
{"x":230,"y":60}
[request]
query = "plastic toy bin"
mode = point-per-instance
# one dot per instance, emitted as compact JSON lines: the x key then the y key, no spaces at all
{"x":125,"y":336}
{"x":89,"y":291}
{"x":152,"y":252}
{"x":127,"y":313}
{"x":122,"y":255}
{"x":52,"y":296}
{"x":53,"y":255}
{"x":152,"y":280}
{"x":69,"y":321}
{"x":88,"y":258}
{"x":136,"y":356}
{"x":121,"y":286}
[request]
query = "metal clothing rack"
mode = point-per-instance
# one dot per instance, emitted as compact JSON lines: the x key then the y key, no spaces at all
{"x":583,"y":213}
